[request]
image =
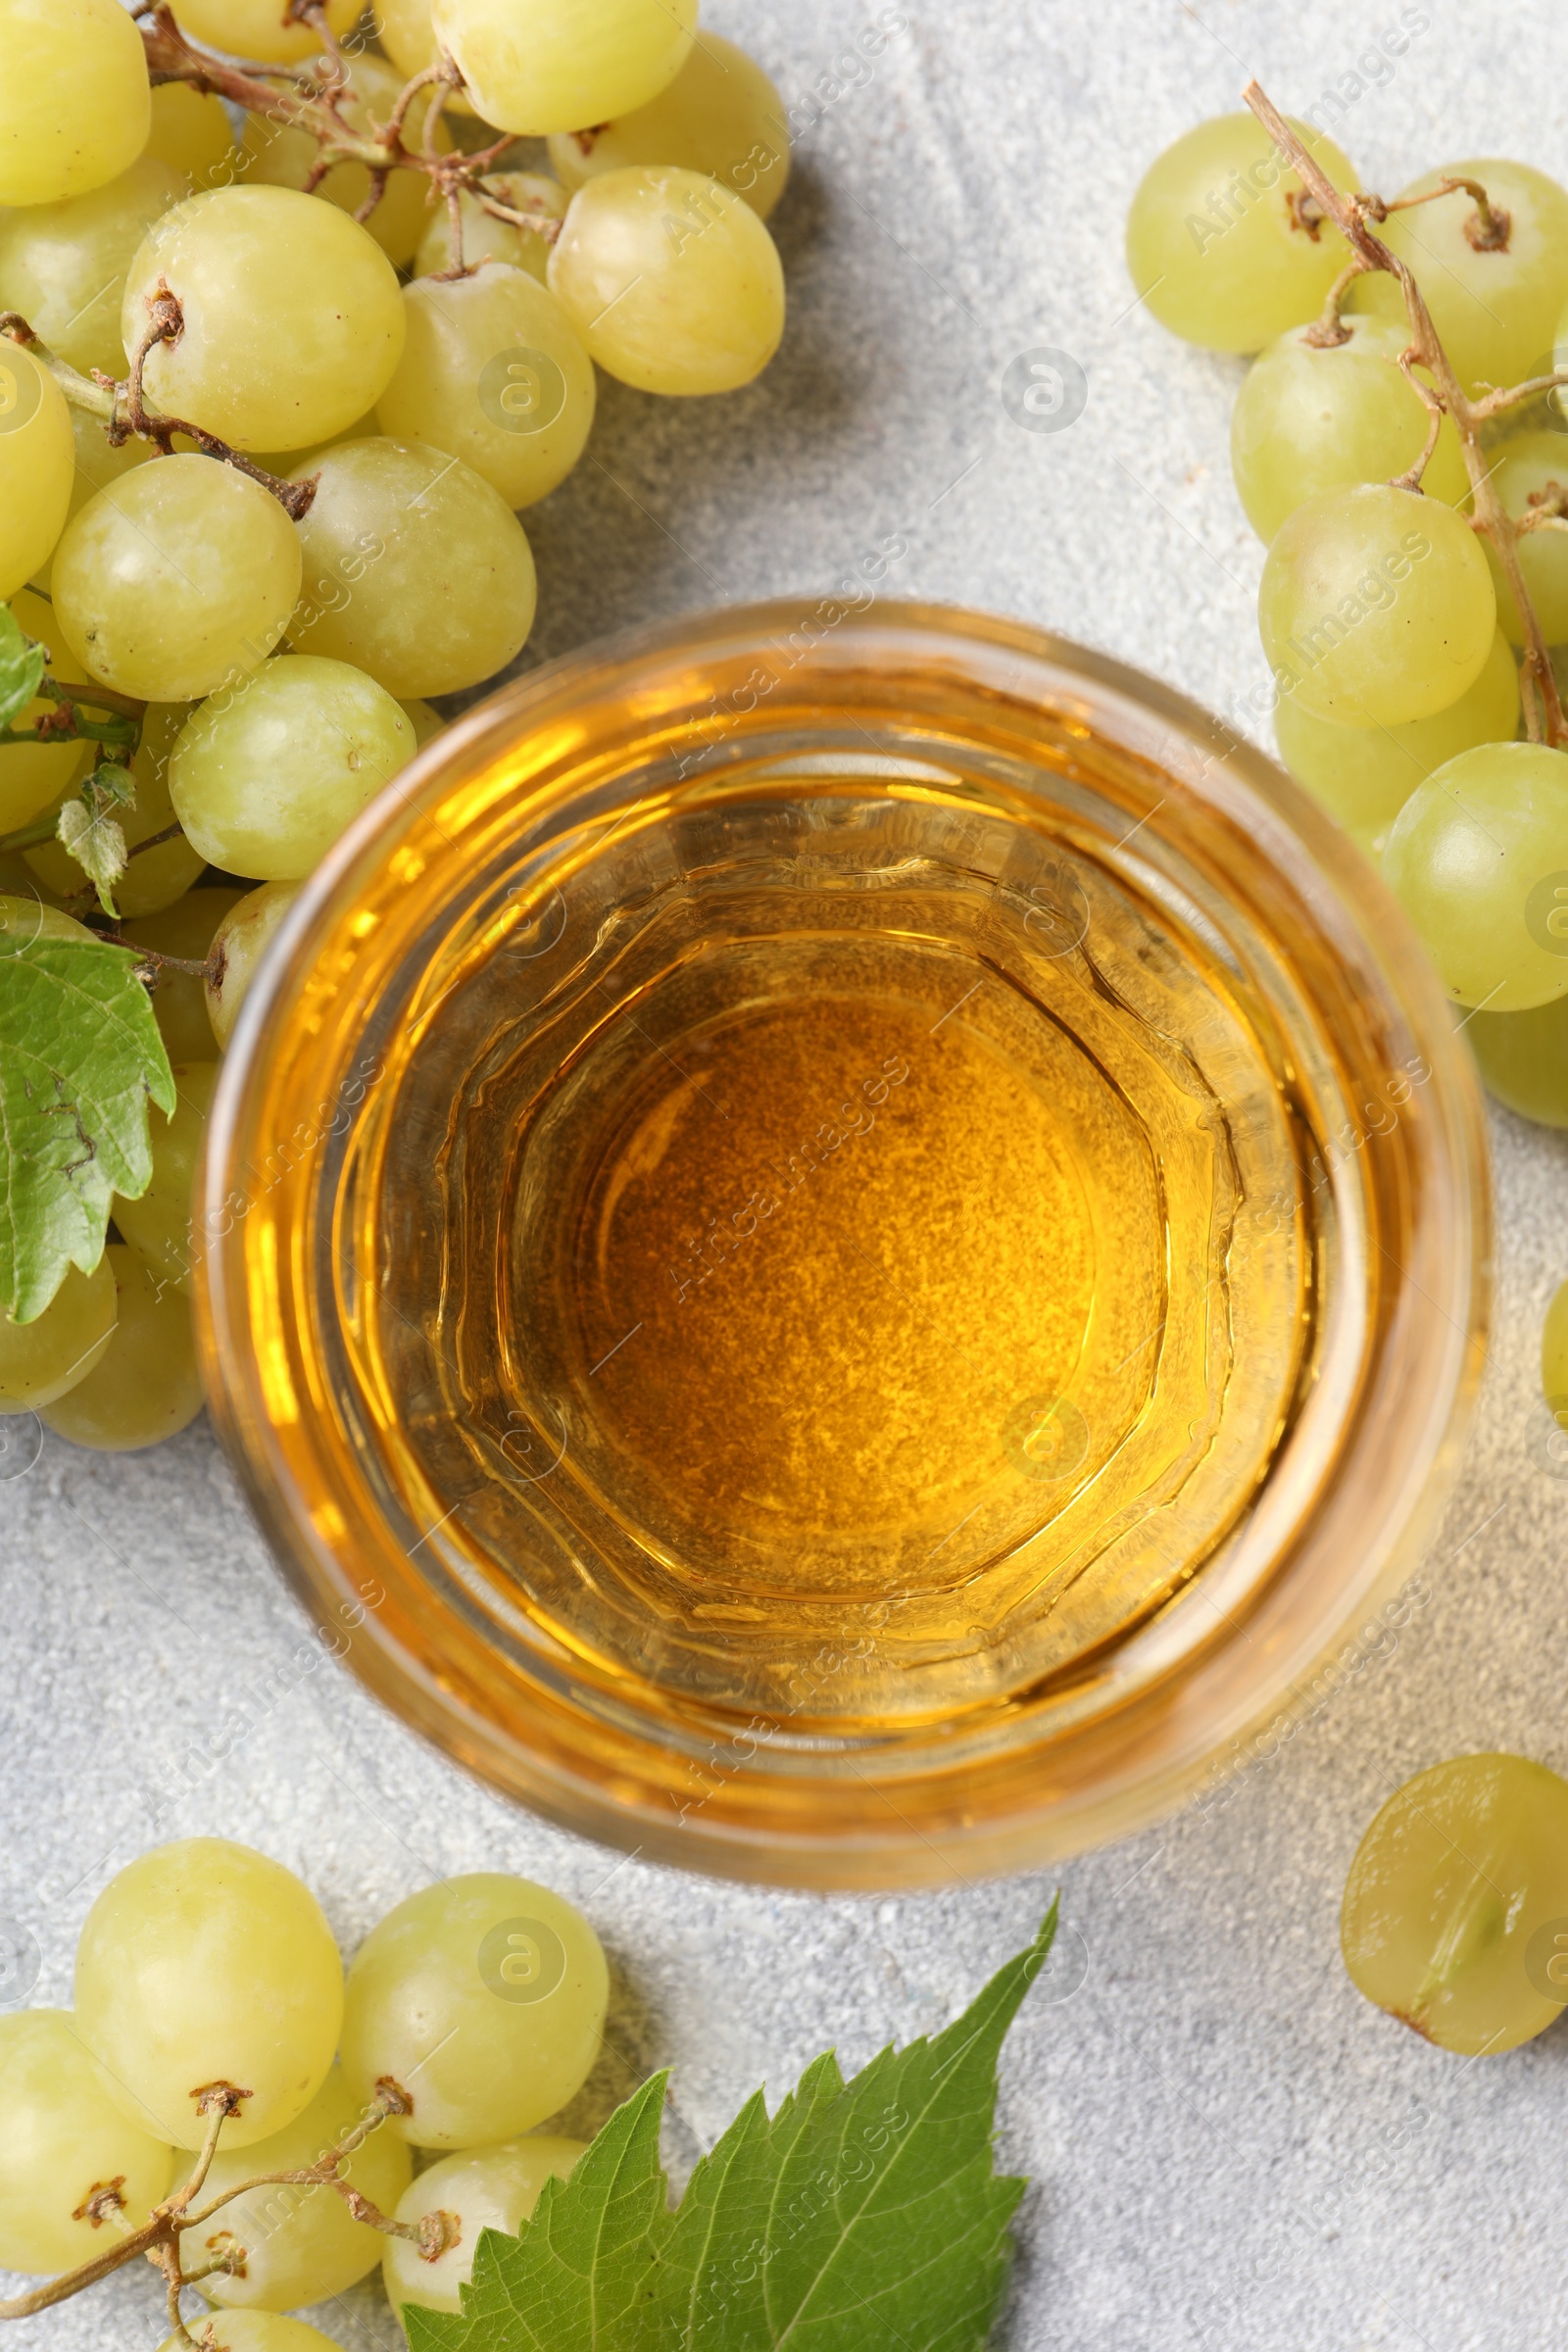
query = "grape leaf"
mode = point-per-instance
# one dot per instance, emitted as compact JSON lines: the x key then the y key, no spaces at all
{"x":94,"y":835}
{"x":862,"y":2217}
{"x":79,"y":1056}
{"x":22,"y":664}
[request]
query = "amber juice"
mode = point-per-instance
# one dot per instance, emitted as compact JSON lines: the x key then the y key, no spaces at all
{"x":848,"y":1274}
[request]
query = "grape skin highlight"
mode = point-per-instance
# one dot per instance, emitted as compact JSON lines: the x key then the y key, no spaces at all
{"x":176,"y":578}
{"x":37,"y":459}
{"x":76,"y":105}
{"x":1376,"y":605}
{"x":1447,"y":1891}
{"x":671,"y":280}
{"x":1474,"y":857}
{"x":61,"y":2139}
{"x":537,"y":65}
{"x":484,"y":2188}
{"x":720,"y":115}
{"x":203,"y":1962}
{"x":146,"y":1386}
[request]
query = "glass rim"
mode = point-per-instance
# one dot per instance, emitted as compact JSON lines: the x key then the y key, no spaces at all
{"x":1125,"y":1742}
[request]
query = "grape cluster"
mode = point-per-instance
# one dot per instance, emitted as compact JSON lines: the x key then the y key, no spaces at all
{"x":1398,"y":442}
{"x":223,"y":2097}
{"x":267,"y":412}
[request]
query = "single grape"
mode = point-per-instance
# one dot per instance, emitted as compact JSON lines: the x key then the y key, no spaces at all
{"x":1495,"y":309}
{"x":191,"y":135}
{"x":261,"y":28}
{"x":483,"y":1999}
{"x":256,"y":2331}
{"x":300,"y":2246}
{"x":1215,"y":245}
{"x":37,"y":455}
{"x":1478,"y":856}
{"x":1523,"y":1060}
{"x":416,"y":569}
{"x":176,"y":578}
{"x":720,"y":115}
{"x":159,"y":1224}
{"x":1364,"y":775}
{"x":241,"y":940}
{"x":205,"y":1963}
{"x":265,"y":779}
{"x":153,"y":878}
{"x":293,"y":323}
{"x":537,"y":65}
{"x":63,"y":266}
{"x":483,"y":2188}
{"x":409,"y":40}
{"x":179,"y":1000}
{"x":74,"y":101}
{"x":674,"y":283}
{"x":484,"y":237}
{"x":1453,"y":1902}
{"x":279,"y":156}
{"x":97,"y":466}
{"x":43,"y":1360}
{"x":1307,"y":421}
{"x":33,"y":774}
{"x":1529,"y":472}
{"x":426,"y":722}
{"x":147,"y":1385}
{"x":75,"y":2172}
{"x":1376,"y":605}
{"x":493,"y":372}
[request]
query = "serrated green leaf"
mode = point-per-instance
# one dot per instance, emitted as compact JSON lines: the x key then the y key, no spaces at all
{"x":862,"y":2217}
{"x":21,"y":666}
{"x":93,"y":836}
{"x":79,"y":1057}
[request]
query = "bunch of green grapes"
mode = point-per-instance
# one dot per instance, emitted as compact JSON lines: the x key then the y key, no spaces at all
{"x":402,"y":366}
{"x":1390,"y":624}
{"x":210,"y":1994}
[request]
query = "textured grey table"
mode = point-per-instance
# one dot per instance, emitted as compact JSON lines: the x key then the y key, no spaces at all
{"x":1228,"y":2147}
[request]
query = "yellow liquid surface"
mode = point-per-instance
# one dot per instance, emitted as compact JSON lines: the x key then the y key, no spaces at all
{"x":904,"y":1262}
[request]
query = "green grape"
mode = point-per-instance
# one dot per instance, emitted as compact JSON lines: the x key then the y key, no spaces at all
{"x":153,"y":878}
{"x":1214,"y":243}
{"x":241,"y":940}
{"x":1307,"y":421}
{"x":146,"y":1386}
{"x":537,"y":65}
{"x":176,"y":578}
{"x":1528,"y":469}
{"x":1523,"y":1058}
{"x":1376,"y":605}
{"x":74,"y":103}
{"x":483,"y":1998}
{"x":97,"y":466}
{"x":63,"y":266}
{"x":1454,"y":1900}
{"x":1554,"y":1355}
{"x":33,"y":774}
{"x":1495,"y":312}
{"x":42,"y":1359}
{"x":37,"y":455}
{"x":260,"y":28}
{"x":493,"y":372}
{"x":487,"y":239}
{"x":416,"y":569}
{"x":720,"y":115}
{"x":179,"y":1001}
{"x":300,"y":2246}
{"x":159,"y":1224}
{"x":1478,"y":856}
{"x":426,"y":722}
{"x":255,"y":2331}
{"x":483,"y":2188}
{"x":293,"y":323}
{"x":1364,"y":775}
{"x":409,"y":40}
{"x":66,"y":2147}
{"x":278,"y":156}
{"x":206,"y":1963}
{"x":190,"y":133}
{"x":265,"y":779}
{"x":674,"y":283}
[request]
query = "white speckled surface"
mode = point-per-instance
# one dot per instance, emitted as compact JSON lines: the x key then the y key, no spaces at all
{"x":1229,"y":2149}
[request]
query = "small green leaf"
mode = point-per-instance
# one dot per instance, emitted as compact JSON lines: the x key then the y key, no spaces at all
{"x":79,"y":1057}
{"x":93,"y":837}
{"x":862,"y":2217}
{"x":21,"y":666}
